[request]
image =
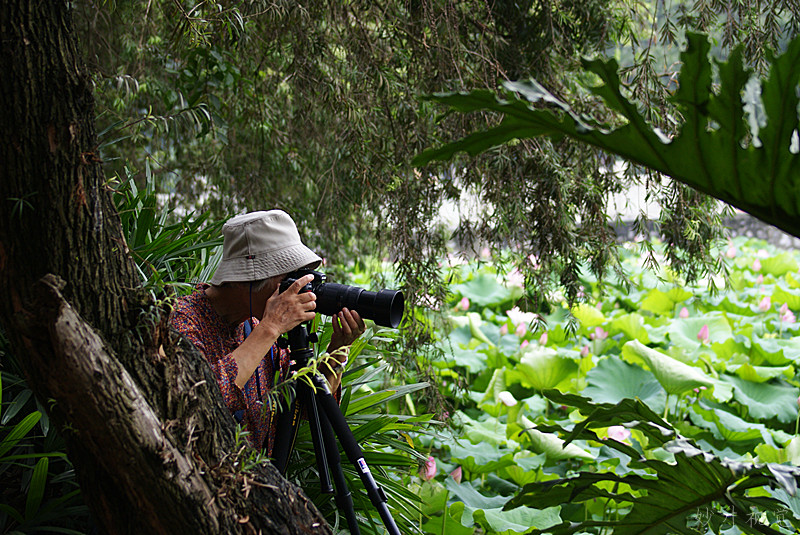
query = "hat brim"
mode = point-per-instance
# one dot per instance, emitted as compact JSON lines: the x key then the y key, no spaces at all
{"x":265,"y":266}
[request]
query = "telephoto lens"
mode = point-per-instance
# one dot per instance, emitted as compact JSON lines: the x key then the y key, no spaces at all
{"x":384,"y":307}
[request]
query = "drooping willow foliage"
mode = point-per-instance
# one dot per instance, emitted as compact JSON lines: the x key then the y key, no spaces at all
{"x":314,"y":107}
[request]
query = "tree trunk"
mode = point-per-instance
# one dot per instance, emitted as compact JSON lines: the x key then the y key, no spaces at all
{"x":145,"y":425}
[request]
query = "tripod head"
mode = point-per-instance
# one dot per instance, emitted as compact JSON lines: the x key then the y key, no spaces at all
{"x":298,"y":340}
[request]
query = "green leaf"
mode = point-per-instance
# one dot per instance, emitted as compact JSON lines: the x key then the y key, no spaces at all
{"x":475,"y":322}
{"x":16,"y":405}
{"x":488,"y":511}
{"x":483,"y":290}
{"x":525,"y":468}
{"x":553,"y":447}
{"x":433,"y":497}
{"x":448,"y":523}
{"x":780,"y":264}
{"x":774,"y":351}
{"x":790,"y":298}
{"x":683,"y":331}
{"x":726,"y":426}
{"x":770,"y":454}
{"x":664,"y":303}
{"x":19,"y":431}
{"x":667,"y":501}
{"x":613,"y":380}
{"x":588,"y":316}
{"x":632,"y":325}
{"x":36,"y":488}
{"x":764,"y":401}
{"x":541,"y":368}
{"x":760,"y":374}
{"x":674,"y":376}
{"x":481,"y":458}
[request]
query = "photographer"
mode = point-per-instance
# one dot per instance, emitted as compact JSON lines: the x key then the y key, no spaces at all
{"x":259,"y":250}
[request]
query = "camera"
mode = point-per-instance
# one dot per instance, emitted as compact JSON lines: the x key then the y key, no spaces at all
{"x":384,"y":307}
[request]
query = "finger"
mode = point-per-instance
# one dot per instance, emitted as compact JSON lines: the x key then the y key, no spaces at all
{"x":300,"y":283}
{"x":349,"y":319}
{"x":345,"y":322}
{"x":360,"y":325}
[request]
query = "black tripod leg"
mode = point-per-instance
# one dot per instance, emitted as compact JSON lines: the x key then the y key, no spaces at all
{"x":317,"y":423}
{"x":287,"y":426}
{"x":344,"y":500}
{"x":353,"y":452}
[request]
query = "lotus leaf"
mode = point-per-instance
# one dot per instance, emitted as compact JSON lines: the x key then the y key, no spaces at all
{"x":551,"y":445}
{"x":541,"y":368}
{"x":765,"y":401}
{"x":675,"y":376}
{"x":588,"y":316}
{"x":488,"y":511}
{"x":632,"y":325}
{"x":613,"y":380}
{"x":483,"y":290}
{"x":684,"y":332}
{"x":780,"y":264}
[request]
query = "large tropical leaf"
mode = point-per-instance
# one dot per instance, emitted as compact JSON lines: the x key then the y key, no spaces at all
{"x":716,"y":150}
{"x":693,"y":487}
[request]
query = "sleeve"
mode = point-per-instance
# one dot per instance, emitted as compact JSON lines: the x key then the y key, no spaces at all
{"x":224,"y":367}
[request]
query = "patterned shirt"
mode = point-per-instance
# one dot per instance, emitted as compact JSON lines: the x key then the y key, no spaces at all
{"x":195,"y":317}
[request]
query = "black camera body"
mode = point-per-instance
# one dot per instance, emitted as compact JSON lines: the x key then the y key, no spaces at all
{"x":384,"y":307}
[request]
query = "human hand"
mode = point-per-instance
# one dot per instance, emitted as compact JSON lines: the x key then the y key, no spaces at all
{"x":347,"y":327}
{"x":286,"y":310}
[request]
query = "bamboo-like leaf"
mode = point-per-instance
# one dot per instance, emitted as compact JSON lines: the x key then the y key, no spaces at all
{"x":36,"y":489}
{"x":19,"y":431}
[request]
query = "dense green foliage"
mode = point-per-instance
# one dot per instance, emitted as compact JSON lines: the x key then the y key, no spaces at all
{"x":657,"y":416}
{"x":564,"y":415}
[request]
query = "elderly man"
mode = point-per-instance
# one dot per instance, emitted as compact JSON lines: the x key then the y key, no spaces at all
{"x":259,"y":250}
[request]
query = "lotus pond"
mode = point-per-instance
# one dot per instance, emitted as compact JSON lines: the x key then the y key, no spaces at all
{"x":654,"y":407}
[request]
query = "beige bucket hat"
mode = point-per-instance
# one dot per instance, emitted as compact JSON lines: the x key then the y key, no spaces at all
{"x":260,"y":245}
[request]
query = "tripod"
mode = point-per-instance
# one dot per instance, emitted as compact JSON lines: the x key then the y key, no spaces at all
{"x":327,"y":422}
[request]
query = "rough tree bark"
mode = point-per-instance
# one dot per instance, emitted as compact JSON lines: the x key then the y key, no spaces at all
{"x":145,"y":425}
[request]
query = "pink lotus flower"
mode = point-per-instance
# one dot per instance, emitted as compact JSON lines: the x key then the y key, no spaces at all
{"x":760,"y":279}
{"x":428,"y":471}
{"x":504,"y":329}
{"x":619,"y":433}
{"x":684,"y":313}
{"x":703,"y":334}
{"x":731,"y":252}
{"x":765,"y":304}
{"x":787,"y":316}
{"x":463,"y":304}
{"x":524,"y":344}
{"x":585,"y":351}
{"x":521,"y":330}
{"x":756,"y":265}
{"x":515,"y":278}
{"x":543,"y":339}
{"x":598,"y":334}
{"x":457,"y":474}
